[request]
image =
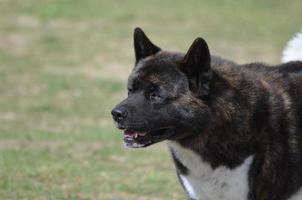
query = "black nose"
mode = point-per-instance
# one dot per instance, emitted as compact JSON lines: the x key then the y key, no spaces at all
{"x":119,"y":114}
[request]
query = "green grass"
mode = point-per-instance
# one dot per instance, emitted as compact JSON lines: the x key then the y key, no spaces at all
{"x":64,"y":65}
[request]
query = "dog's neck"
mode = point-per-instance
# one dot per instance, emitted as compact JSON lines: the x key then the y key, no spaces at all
{"x":231,"y":135}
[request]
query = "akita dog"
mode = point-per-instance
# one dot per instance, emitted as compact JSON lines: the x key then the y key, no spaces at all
{"x":234,"y":131}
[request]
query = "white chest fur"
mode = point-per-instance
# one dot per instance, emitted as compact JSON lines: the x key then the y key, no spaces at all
{"x":297,"y":196}
{"x":204,"y":183}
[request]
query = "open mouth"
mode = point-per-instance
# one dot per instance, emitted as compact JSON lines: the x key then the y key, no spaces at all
{"x":136,"y":139}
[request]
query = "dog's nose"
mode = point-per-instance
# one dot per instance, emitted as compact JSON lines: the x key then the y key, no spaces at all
{"x":119,"y":114}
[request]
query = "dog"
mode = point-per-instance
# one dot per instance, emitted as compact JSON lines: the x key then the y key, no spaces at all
{"x":234,"y":131}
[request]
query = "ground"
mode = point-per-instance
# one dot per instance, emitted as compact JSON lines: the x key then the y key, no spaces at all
{"x":64,"y":65}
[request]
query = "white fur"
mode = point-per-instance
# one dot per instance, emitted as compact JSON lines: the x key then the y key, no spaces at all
{"x":204,"y":183}
{"x":188,"y":187}
{"x":293,"y":49}
{"x":297,"y":196}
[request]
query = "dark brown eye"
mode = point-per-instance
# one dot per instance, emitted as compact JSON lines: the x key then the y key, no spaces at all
{"x":130,"y":91}
{"x":152,"y":89}
{"x":153,"y":93}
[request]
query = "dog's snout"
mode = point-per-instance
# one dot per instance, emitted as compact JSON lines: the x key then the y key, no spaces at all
{"x":119,"y":113}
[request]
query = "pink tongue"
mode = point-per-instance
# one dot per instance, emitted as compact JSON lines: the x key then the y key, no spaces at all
{"x":133,"y":133}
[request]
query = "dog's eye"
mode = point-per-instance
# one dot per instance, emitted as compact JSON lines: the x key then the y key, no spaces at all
{"x":154,"y":96}
{"x":152,"y":89}
{"x":153,"y":93}
{"x":130,"y":91}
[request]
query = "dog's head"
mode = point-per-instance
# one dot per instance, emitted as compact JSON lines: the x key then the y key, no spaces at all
{"x":167,"y":94}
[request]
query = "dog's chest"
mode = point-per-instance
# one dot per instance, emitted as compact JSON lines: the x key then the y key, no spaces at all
{"x":297,"y":196}
{"x":204,"y":183}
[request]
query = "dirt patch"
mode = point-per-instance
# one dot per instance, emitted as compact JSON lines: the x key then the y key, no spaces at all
{"x":19,"y":144}
{"x":15,"y":42}
{"x":241,"y":54}
{"x":101,"y":67}
{"x":15,"y":144}
{"x":94,"y":70}
{"x":27,"y":21}
{"x":124,"y":196}
{"x":8,"y":116}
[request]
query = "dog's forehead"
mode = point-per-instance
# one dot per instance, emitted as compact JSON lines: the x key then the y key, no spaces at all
{"x":158,"y":69}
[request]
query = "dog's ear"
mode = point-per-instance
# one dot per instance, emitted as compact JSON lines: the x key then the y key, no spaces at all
{"x":142,"y":45}
{"x":197,"y":67}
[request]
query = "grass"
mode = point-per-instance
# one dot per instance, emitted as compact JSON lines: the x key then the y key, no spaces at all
{"x":64,"y":65}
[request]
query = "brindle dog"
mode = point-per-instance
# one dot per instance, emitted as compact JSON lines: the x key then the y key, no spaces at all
{"x":234,"y":131}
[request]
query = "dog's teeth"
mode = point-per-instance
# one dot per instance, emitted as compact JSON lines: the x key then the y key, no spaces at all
{"x":135,"y":135}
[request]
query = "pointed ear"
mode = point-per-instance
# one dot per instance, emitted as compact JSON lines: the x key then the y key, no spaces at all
{"x":197,"y":67}
{"x":142,"y":45}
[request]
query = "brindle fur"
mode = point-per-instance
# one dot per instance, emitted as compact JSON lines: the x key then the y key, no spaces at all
{"x":224,"y":112}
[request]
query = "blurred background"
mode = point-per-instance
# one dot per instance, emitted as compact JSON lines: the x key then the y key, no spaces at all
{"x":64,"y":65}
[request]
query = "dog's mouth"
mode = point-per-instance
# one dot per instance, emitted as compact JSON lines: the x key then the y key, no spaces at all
{"x":138,"y":139}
